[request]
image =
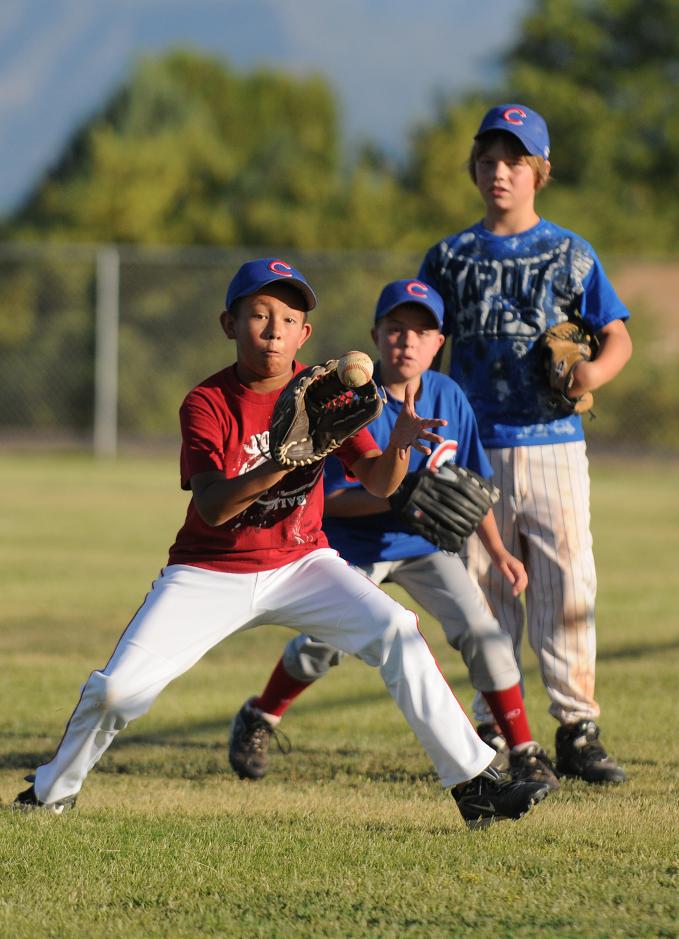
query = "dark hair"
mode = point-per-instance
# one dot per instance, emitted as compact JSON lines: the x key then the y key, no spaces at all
{"x":482,"y":144}
{"x":234,"y":309}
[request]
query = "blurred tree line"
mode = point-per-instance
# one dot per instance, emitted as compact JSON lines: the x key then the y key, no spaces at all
{"x":189,"y":151}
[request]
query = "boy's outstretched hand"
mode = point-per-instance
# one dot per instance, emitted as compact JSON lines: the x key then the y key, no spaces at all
{"x":409,"y":428}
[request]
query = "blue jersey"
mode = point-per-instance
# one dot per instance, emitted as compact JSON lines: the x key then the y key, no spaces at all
{"x":501,"y":293}
{"x":371,"y":538}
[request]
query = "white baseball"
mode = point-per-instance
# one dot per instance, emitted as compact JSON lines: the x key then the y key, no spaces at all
{"x":354,"y":369}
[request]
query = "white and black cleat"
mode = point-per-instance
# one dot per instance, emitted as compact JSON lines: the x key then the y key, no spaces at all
{"x":494,"y":797}
{"x":27,"y":801}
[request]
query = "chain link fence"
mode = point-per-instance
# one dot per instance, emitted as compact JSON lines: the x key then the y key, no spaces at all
{"x":100,"y":343}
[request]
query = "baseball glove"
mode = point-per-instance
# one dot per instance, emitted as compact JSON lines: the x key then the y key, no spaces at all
{"x":315,"y":414}
{"x":565,"y":346}
{"x":445,"y":506}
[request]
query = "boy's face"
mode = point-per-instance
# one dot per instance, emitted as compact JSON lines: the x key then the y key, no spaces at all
{"x":504,"y":178}
{"x":407,"y":338}
{"x":269,"y":328}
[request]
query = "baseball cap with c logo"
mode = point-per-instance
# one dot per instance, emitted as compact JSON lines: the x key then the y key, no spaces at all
{"x":410,"y":291}
{"x":517,"y":119}
{"x":253,"y":275}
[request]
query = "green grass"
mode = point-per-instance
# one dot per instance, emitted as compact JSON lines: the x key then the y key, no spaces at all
{"x":350,"y":835}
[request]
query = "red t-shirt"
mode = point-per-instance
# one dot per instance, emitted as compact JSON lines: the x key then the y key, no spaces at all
{"x":225,"y":427}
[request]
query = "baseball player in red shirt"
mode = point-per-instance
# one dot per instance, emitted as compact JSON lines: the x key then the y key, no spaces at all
{"x":252,"y":551}
{"x":377,"y":539}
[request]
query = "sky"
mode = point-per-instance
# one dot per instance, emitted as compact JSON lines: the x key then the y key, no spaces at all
{"x":387,"y":60}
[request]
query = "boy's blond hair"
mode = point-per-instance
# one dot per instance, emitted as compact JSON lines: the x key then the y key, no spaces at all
{"x":482,"y":144}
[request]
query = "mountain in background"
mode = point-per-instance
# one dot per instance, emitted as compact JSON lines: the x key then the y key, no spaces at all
{"x":387,"y":60}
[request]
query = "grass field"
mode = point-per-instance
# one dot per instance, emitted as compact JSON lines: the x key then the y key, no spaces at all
{"x":350,"y":834}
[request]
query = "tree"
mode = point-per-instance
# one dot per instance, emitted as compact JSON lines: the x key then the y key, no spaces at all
{"x":190,"y":152}
{"x":605,"y":73}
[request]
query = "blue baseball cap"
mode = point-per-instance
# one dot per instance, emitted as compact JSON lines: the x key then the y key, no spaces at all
{"x":517,"y":119}
{"x":410,"y":291}
{"x":253,"y":275}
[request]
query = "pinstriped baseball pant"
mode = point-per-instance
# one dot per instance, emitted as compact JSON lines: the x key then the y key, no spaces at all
{"x":544,"y":519}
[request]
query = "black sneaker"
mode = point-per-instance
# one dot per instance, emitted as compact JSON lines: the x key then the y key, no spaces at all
{"x":579,"y":752}
{"x":532,"y":764}
{"x":249,"y":742}
{"x":491,"y":735}
{"x":494,"y":797}
{"x":27,"y":801}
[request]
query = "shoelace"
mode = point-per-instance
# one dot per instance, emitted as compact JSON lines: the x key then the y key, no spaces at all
{"x":282,"y":740}
{"x":533,"y":756}
{"x":261,"y":730}
{"x":477,"y":784}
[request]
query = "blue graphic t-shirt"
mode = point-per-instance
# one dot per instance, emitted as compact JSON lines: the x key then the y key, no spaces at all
{"x":371,"y":538}
{"x":501,"y":293}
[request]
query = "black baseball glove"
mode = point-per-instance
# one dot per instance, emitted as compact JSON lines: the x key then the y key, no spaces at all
{"x":565,"y":346}
{"x":315,"y":414}
{"x":445,"y":506}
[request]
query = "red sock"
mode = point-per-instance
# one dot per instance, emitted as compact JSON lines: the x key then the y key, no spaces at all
{"x":281,"y":690}
{"x":509,"y":711}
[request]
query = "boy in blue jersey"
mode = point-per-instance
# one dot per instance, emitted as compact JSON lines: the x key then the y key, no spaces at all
{"x":376,"y":540}
{"x":504,"y":281}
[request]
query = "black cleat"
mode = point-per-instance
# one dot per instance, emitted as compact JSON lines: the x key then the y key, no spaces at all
{"x":579,"y":752}
{"x":494,"y":797}
{"x":491,"y":735}
{"x":27,"y":801}
{"x":531,"y":764}
{"x":249,"y":742}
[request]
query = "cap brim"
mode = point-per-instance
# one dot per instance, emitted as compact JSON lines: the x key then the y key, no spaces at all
{"x":421,"y":303}
{"x":530,"y":148}
{"x":303,"y":288}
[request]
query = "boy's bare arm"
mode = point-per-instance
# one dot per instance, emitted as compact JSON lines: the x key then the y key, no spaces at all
{"x":382,"y":473}
{"x":354,"y":503}
{"x":218,"y":499}
{"x":509,"y":566}
{"x":615,"y":349}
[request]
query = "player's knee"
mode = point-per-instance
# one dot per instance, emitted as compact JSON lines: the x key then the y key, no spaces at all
{"x":393,"y":633}
{"x":305,"y":659}
{"x":111,"y":696}
{"x":489,"y":657}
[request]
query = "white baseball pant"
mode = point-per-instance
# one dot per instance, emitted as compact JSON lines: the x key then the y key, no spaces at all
{"x":189,"y":610}
{"x":544,"y":519}
{"x":441,"y":585}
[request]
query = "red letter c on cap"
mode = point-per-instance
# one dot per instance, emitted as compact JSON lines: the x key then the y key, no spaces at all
{"x":281,"y":268}
{"x":416,"y":289}
{"x":514,"y":116}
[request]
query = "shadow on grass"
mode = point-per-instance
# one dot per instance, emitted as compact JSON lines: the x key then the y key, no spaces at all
{"x":138,"y":757}
{"x":181,"y":738}
{"x":638,"y":651}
